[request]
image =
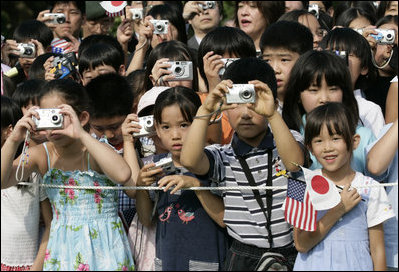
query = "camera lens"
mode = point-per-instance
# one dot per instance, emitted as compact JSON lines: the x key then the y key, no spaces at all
{"x":389,"y":36}
{"x":179,"y":70}
{"x":60,"y":20}
{"x":159,"y":27}
{"x":246,"y":94}
{"x":55,"y":119}
{"x":28,"y":51}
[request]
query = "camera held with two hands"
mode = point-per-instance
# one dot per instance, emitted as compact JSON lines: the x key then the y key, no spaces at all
{"x":166,"y":164}
{"x":26,"y":50}
{"x":49,"y":119}
{"x":147,"y":127}
{"x":182,"y":70}
{"x":241,"y":94}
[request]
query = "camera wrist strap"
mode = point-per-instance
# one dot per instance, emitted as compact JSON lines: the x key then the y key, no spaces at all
{"x":269,"y":193}
{"x":24,"y":157}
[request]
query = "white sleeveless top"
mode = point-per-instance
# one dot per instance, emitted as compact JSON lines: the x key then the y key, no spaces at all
{"x":20,"y":213}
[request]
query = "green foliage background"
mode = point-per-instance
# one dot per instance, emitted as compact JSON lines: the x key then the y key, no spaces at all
{"x":15,"y":12}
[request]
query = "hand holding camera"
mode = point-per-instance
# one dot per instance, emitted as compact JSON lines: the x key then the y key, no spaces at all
{"x":55,"y":18}
{"x":241,"y":94}
{"x":49,"y":119}
{"x":26,"y":50}
{"x":129,"y":126}
{"x":147,"y":127}
{"x":265,"y":103}
{"x":181,"y":70}
{"x":160,"y":26}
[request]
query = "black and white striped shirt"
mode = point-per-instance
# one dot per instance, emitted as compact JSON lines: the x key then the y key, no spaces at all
{"x":243,"y":216}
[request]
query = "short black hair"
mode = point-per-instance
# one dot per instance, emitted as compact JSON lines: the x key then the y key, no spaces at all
{"x":289,"y":35}
{"x":175,"y":51}
{"x":100,"y":54}
{"x":246,"y":69}
{"x":346,"y":17}
{"x":110,"y":96}
{"x":166,"y":12}
{"x":36,"y":70}
{"x":347,"y":39}
{"x":33,"y":29}
{"x":28,"y":92}
{"x":187,"y":99}
{"x":81,"y":5}
{"x":225,"y":40}
{"x":338,"y":119}
{"x":10,"y":112}
{"x":98,"y":38}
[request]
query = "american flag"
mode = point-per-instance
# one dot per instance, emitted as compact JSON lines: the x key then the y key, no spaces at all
{"x":299,"y":211}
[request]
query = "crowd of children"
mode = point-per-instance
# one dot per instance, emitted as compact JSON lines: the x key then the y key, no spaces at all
{"x":182,"y":97}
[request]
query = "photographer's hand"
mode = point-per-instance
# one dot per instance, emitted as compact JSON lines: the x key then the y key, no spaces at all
{"x":191,"y":8}
{"x":160,"y":74}
{"x":146,"y":176}
{"x":48,"y":65}
{"x":212,"y":66}
{"x":46,"y":20}
{"x":73,"y":125}
{"x":130,"y":126}
{"x":9,"y":47}
{"x":39,"y":47}
{"x":73,"y":45}
{"x":217,"y":96}
{"x":180,"y":181}
{"x":265,"y":103}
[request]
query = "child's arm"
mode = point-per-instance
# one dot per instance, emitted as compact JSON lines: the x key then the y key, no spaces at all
{"x":193,"y":156}
{"x":391,"y":105}
{"x":212,"y":204}
{"x":45,"y":209}
{"x":288,"y":148}
{"x":377,"y":247}
{"x":144,"y":204}
{"x":9,"y":149}
{"x":382,"y":153}
{"x":105,"y":159}
{"x":306,"y":240}
{"x":129,"y":152}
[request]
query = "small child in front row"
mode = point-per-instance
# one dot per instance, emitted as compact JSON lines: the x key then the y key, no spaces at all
{"x":190,"y":234}
{"x":86,"y":232}
{"x":349,"y":236}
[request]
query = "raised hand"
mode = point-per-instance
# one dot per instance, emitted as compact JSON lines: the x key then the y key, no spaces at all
{"x":180,"y":181}
{"x":148,"y":176}
{"x":130,"y":126}
{"x":265,"y":102}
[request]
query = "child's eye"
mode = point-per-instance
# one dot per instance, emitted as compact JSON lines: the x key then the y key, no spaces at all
{"x":336,"y":138}
{"x":285,"y":60}
{"x":164,"y":127}
{"x":185,"y":125}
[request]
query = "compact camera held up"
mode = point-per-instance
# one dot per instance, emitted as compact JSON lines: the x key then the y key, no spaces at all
{"x":160,"y":26}
{"x":49,"y":119}
{"x":384,"y":36}
{"x":241,"y":94}
{"x":147,"y":126}
{"x":137,"y":13}
{"x":58,"y":18}
{"x":26,"y":50}
{"x":208,"y":5}
{"x":314,"y":9}
{"x":182,"y":70}
{"x":64,"y":65}
{"x":226,"y":63}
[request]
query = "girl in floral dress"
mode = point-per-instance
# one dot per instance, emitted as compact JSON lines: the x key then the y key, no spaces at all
{"x":86,"y":232}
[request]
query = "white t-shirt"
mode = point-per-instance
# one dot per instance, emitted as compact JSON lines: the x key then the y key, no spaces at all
{"x":370,"y":113}
{"x":20,"y":213}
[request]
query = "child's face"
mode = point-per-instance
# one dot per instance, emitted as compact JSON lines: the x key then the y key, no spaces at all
{"x":360,"y":22}
{"x":249,"y":125}
{"x":331,"y":151}
{"x":282,"y":61}
{"x":173,"y":130}
{"x":315,"y":96}
{"x":111,"y":127}
{"x":91,"y":73}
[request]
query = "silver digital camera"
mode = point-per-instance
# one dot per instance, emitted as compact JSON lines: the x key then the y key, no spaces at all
{"x":26,"y":50}
{"x":182,"y":70}
{"x":226,"y":63}
{"x":384,"y":36}
{"x":147,"y":126}
{"x":58,"y":18}
{"x":241,"y":94}
{"x":314,"y":9}
{"x":166,"y":164}
{"x":160,"y":26}
{"x":49,"y":119}
{"x":208,"y":5}
{"x":137,"y":13}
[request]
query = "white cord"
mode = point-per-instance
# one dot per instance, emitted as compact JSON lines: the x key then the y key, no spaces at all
{"x":24,"y":157}
{"x":384,"y":65}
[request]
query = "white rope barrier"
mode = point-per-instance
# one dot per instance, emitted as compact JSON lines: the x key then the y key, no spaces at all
{"x":231,"y":188}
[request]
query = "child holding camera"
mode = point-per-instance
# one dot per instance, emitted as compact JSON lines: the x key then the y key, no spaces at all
{"x":86,"y":232}
{"x":254,"y":148}
{"x":187,"y":238}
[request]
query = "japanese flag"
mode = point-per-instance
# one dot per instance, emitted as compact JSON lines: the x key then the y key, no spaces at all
{"x":323,"y":193}
{"x":114,"y":8}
